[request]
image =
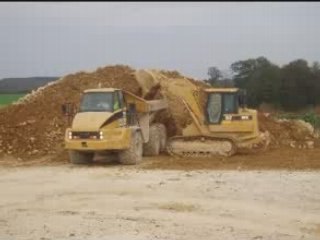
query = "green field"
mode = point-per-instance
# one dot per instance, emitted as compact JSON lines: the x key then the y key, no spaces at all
{"x":8,"y":98}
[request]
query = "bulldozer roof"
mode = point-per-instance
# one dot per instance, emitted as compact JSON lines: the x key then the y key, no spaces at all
{"x":222,"y":90}
{"x":101,"y":90}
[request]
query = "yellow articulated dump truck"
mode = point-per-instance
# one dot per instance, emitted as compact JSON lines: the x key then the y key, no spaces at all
{"x":111,"y":120}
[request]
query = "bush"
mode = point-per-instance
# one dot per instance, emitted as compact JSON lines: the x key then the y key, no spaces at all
{"x":312,"y":118}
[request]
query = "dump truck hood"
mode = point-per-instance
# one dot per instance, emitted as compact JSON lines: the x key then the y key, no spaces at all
{"x":90,"y":121}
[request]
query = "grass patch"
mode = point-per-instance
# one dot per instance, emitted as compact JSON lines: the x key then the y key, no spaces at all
{"x":8,"y":98}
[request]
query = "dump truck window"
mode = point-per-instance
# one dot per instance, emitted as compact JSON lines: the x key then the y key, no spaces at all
{"x":116,"y":102}
{"x":230,"y":103}
{"x":97,"y":102}
{"x":214,"y":108}
{"x":121,"y":100}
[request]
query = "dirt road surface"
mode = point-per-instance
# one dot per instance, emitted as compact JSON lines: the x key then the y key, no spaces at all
{"x":119,"y":203}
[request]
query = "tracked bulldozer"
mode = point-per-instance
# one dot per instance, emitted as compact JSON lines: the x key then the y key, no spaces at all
{"x":221,"y":124}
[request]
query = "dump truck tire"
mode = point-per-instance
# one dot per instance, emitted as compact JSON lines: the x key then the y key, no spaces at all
{"x":152,"y":147}
{"x":133,"y":155}
{"x":163,"y":137}
{"x":78,"y":157}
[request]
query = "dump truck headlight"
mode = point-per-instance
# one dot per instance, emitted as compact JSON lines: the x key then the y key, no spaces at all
{"x":101,"y":135}
{"x":244,"y":117}
{"x":70,"y":135}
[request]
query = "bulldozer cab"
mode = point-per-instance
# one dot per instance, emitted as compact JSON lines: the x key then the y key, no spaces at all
{"x":221,"y":101}
{"x":102,"y":100}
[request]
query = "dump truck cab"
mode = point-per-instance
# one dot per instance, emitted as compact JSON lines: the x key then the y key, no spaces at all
{"x":102,"y":100}
{"x":101,"y":113}
{"x":111,"y":120}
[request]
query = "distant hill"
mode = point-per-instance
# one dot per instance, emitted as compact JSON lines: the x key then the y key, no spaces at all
{"x":23,"y":85}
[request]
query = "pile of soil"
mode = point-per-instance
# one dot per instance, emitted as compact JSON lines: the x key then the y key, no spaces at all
{"x":35,"y":126}
{"x":284,"y":132}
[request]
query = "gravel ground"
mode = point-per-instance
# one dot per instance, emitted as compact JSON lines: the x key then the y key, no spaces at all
{"x":118,"y":203}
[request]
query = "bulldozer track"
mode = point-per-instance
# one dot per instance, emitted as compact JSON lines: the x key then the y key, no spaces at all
{"x":200,"y":146}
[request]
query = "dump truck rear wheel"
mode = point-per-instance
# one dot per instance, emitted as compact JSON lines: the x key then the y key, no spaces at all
{"x":78,"y":157}
{"x":152,"y":147}
{"x":163,"y":137}
{"x":133,"y":155}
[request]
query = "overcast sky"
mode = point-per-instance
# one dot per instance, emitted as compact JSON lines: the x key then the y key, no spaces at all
{"x":50,"y":39}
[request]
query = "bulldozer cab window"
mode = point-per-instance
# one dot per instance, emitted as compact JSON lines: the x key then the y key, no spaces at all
{"x":230,"y":103}
{"x":97,"y":102}
{"x":214,"y":107}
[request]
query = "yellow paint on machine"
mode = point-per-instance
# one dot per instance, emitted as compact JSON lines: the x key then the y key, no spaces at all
{"x":89,"y":121}
{"x":114,"y":139}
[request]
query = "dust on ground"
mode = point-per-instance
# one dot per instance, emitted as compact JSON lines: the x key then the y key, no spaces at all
{"x":278,"y":158}
{"x":272,"y":159}
{"x":116,"y":202}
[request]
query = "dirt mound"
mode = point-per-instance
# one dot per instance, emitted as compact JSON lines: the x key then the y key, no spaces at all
{"x":284,"y":132}
{"x":35,"y":126}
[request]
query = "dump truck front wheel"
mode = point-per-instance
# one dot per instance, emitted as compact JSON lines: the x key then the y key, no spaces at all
{"x":152,"y":147}
{"x":78,"y":157}
{"x":133,"y":155}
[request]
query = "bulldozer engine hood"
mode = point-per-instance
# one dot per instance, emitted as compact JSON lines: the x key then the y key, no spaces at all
{"x":90,"y":121}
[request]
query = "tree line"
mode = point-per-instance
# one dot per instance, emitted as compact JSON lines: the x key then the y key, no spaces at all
{"x":293,"y":86}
